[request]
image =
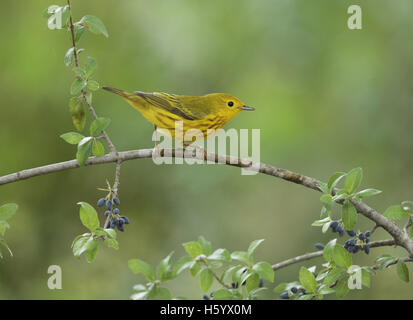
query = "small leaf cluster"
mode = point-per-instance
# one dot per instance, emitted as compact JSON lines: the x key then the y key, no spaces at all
{"x":401,"y":211}
{"x":89,"y":145}
{"x":332,"y":278}
{"x":345,"y":195}
{"x":7,"y":211}
{"x":88,"y":243}
{"x":210,"y":266}
{"x":83,"y":84}
{"x":383,"y":261}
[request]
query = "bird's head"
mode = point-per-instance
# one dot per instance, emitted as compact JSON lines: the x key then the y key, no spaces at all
{"x":228,"y":104}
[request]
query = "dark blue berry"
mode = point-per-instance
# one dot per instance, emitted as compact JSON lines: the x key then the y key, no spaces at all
{"x":351,"y":233}
{"x":205,"y":297}
{"x":367,"y":240}
{"x":361,"y":236}
{"x":125,"y":219}
{"x":121,"y":222}
{"x":294,"y":290}
{"x":261,"y":283}
{"x":120,"y":227}
{"x":212,"y":293}
{"x":284,"y":295}
{"x":116,"y":211}
{"x":334,"y":225}
{"x":340,"y":231}
{"x":368,"y":233}
{"x":319,"y":246}
{"x":356,"y":249}
{"x":116,"y":201}
{"x":107,"y":213}
{"x":112,"y":225}
{"x":101,"y":202}
{"x":109,"y":204}
{"x":366,"y":249}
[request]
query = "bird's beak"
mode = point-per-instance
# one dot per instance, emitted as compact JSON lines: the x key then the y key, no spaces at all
{"x":247,"y":108}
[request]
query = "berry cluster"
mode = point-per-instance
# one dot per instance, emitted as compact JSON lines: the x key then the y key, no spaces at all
{"x":336,"y":227}
{"x":115,"y":220}
{"x":359,"y":241}
{"x":293,"y":290}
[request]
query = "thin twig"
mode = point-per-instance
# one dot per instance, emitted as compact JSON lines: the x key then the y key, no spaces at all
{"x":95,"y":116}
{"x":316,"y":254}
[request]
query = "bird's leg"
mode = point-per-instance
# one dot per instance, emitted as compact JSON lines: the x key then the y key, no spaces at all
{"x":197,"y":147}
{"x":156,"y":135}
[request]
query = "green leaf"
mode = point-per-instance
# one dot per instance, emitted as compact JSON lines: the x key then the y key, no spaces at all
{"x":349,"y":215}
{"x":322,"y":186}
{"x":256,"y":293}
{"x":72,"y":137}
{"x":241,"y":256}
{"x":90,"y":67}
{"x":164,"y":294}
{"x":220,"y":254}
{"x":353,"y":179}
{"x":206,"y":278}
{"x":98,"y":125}
{"x":367,"y":193}
{"x":223,"y":294}
{"x":163,"y":271}
{"x":334,"y":180}
{"x":326,"y":198}
{"x":325,"y":290}
{"x":79,"y":245}
{"x":195,"y":267}
{"x":307,"y":279}
{"x":3,"y":227}
{"x":396,"y":212}
{"x":365,"y":278}
{"x":264,"y":270}
{"x":77,"y":30}
{"x":329,"y":250}
{"x":80,"y":72}
{"x":8,"y":210}
{"x":205,"y":245}
{"x":280,"y":288}
{"x":69,"y":57}
{"x":342,"y":257}
{"x":91,"y":249}
{"x":93,"y":85}
{"x":140,"y":266}
{"x":112,"y":243}
{"x":229,"y":271}
{"x":143,"y":295}
{"x":181,"y":265}
{"x":111,"y":233}
{"x":78,"y":112}
{"x":84,"y":149}
{"x":253,"y":246}
{"x":252,"y":282}
{"x":342,"y":287}
{"x":334,"y":275}
{"x":403,"y":271}
{"x":94,"y":25}
{"x":97,"y":148}
{"x":193,"y":248}
{"x":77,"y":86}
{"x":88,"y":216}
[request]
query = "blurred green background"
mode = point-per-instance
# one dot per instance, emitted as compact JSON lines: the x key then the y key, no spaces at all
{"x":327,"y":99}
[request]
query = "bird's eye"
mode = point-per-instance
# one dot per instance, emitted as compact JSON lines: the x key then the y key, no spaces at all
{"x":230,"y":103}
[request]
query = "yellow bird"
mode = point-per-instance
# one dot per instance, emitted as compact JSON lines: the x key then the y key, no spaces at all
{"x":203,"y":113}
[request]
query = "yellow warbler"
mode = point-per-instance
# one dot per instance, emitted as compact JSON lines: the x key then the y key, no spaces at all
{"x":211,"y":111}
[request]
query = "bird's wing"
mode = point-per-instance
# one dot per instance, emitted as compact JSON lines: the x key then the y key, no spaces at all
{"x":183,"y":106}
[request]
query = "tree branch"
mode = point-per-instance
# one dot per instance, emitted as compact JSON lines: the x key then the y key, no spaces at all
{"x":316,"y":254}
{"x":400,"y":236}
